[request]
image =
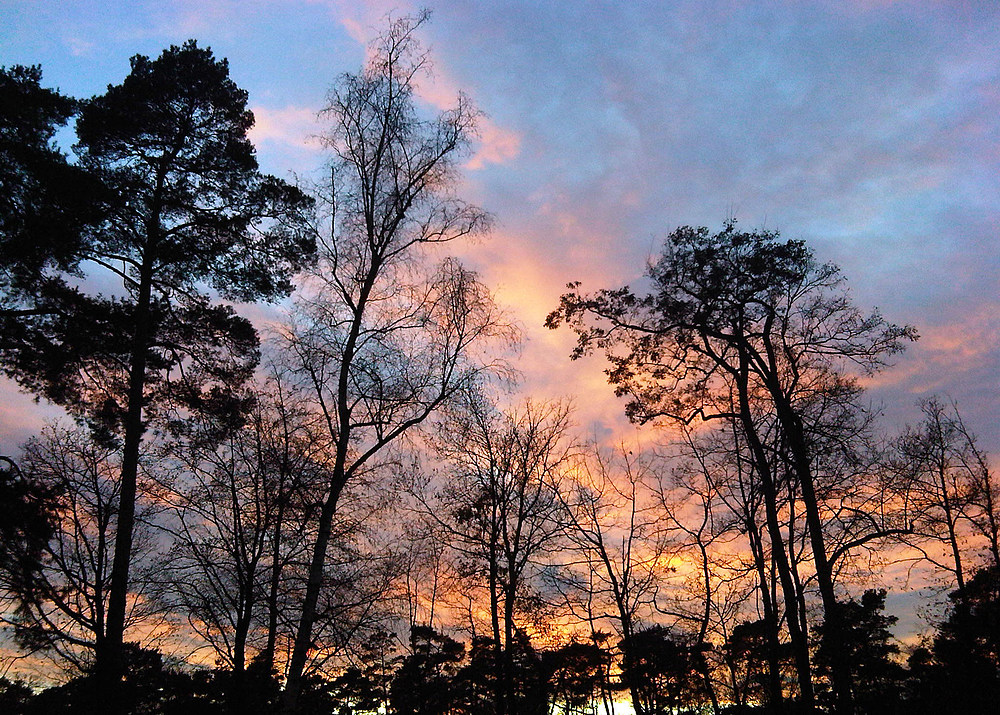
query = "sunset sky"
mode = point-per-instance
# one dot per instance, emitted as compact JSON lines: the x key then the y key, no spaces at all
{"x":869,"y":128}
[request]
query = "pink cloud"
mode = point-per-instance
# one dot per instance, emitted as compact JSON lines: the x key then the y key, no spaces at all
{"x":363,"y":21}
{"x":945,"y":352}
{"x":496,"y":145}
{"x":294,"y":126}
{"x":355,"y":30}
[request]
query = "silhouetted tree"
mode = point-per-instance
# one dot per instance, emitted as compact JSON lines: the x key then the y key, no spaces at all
{"x":149,"y":685}
{"x":620,"y":543}
{"x":500,"y":510}
{"x":171,"y":142}
{"x":424,"y":683}
{"x":187,"y":209}
{"x":939,"y":484}
{"x":530,"y":692}
{"x":47,"y":205}
{"x":878,"y":677}
{"x":425,"y":573}
{"x":382,"y":338}
{"x":747,"y":312}
{"x":364,"y":688}
{"x":479,"y":681}
{"x":27,"y":522}
{"x":754,"y":663}
{"x":476,"y":684}
{"x":961,"y":671}
{"x":15,"y":696}
{"x":240,"y":498}
{"x":577,"y":674}
{"x":356,"y":692}
{"x":697,"y":513}
{"x":61,"y":609}
{"x":950,"y":488}
{"x":665,"y":671}
{"x":719,"y":471}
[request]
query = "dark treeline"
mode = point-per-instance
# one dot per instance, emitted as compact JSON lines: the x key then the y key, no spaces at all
{"x":352,"y":513}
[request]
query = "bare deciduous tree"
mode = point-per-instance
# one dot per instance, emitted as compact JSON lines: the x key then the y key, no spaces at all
{"x":621,"y":542}
{"x":500,"y":510}
{"x":63,"y":609}
{"x":381,"y":337}
{"x":240,"y":498}
{"x":950,"y":490}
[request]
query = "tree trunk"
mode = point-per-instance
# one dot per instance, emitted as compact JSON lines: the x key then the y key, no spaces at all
{"x":510,"y":706}
{"x":341,"y":436}
{"x":952,"y":520}
{"x":240,"y":635}
{"x":775,"y":696}
{"x":272,"y":595}
{"x":800,"y":600}
{"x":498,"y":650}
{"x":833,"y":628}
{"x":626,"y":646}
{"x":303,"y":635}
{"x":703,"y":628}
{"x":799,"y":638}
{"x":110,"y":665}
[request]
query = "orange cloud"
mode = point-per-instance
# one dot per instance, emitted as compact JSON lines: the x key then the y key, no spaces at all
{"x":945,"y":351}
{"x":524,"y":282}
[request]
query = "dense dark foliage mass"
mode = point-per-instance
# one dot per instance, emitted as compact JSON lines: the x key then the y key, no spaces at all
{"x":183,"y":208}
{"x":355,"y":515}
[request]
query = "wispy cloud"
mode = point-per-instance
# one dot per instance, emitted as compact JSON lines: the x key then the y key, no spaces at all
{"x":496,"y":145}
{"x":78,"y":46}
{"x":293,"y":126}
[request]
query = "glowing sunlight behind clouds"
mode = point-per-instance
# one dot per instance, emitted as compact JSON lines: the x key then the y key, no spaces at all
{"x":868,"y":128}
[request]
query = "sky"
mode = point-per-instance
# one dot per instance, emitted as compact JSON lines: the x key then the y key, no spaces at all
{"x":868,"y":128}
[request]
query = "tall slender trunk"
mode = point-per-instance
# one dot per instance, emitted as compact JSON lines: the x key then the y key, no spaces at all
{"x":952,"y":520}
{"x":237,"y":700}
{"x":606,"y":699}
{"x":775,"y":695}
{"x":100,"y":614}
{"x":800,"y":601}
{"x":274,"y":581}
{"x":498,"y":652}
{"x":702,"y":661}
{"x":833,"y":629}
{"x":631,"y":681}
{"x":625,"y":619}
{"x":303,"y":635}
{"x":508,"y":652}
{"x":110,"y":664}
{"x":340,"y":433}
{"x":799,"y":638}
{"x":272,"y":595}
{"x":765,"y":583}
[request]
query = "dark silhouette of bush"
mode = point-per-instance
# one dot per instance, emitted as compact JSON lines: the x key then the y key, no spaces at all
{"x":960,"y":672}
{"x":877,"y":675}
